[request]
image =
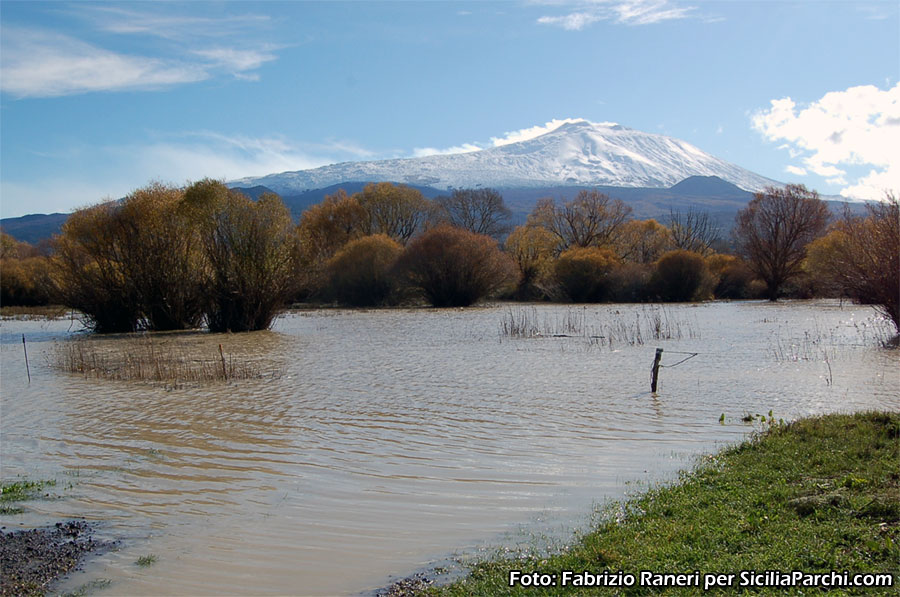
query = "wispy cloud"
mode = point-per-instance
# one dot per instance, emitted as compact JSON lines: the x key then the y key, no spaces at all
{"x":575,"y":21}
{"x":236,"y":61}
{"x":421,"y":152}
{"x":160,"y":20}
{"x":529,"y":133}
{"x":623,"y":12}
{"x":169,"y":157}
{"x":44,"y":64}
{"x":197,"y":154}
{"x":182,"y":48}
{"x":858,"y":127}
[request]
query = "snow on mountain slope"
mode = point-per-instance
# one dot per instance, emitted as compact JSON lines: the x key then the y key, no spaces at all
{"x":576,"y":153}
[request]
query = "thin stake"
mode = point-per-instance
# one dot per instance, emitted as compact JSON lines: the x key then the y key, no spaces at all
{"x":224,"y":370}
{"x":27,"y":368}
{"x":655,"y":375}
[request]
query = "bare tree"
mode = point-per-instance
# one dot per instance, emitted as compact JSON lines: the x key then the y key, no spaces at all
{"x":693,"y":231}
{"x":773,"y":230}
{"x":592,"y":219}
{"x":481,"y":211}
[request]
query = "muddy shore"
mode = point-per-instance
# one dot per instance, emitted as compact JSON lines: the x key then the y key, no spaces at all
{"x":32,"y":560}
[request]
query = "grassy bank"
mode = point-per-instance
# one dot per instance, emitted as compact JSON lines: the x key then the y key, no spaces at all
{"x":815,"y":496}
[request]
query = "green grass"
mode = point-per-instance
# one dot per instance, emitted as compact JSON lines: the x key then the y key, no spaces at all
{"x":20,"y":491}
{"x":815,"y":495}
{"x":146,"y":561}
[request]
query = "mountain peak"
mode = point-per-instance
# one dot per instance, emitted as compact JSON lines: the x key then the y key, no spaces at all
{"x":578,"y":152}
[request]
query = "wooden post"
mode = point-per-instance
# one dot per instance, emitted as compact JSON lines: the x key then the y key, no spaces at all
{"x":655,"y":376}
{"x":27,"y":368}
{"x":224,"y":370}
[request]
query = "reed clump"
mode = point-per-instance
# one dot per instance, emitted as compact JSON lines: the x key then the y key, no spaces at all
{"x":142,"y":359}
{"x":651,"y":323}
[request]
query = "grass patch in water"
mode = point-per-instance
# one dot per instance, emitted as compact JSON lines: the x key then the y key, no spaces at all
{"x":142,"y":359}
{"x":816,"y":495}
{"x":20,"y":491}
{"x":146,"y":561}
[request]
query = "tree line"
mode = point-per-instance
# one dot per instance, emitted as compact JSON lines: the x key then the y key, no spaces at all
{"x":168,"y":257}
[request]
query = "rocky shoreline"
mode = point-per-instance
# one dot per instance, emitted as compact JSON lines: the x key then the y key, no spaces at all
{"x":32,"y":560}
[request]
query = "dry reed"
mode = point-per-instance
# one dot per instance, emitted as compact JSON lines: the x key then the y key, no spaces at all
{"x":142,"y":359}
{"x":651,"y":323}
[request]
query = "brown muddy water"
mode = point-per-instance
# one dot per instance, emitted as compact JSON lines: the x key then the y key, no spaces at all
{"x":391,"y":439}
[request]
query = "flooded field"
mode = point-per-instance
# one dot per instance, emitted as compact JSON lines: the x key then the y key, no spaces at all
{"x":374,"y":443}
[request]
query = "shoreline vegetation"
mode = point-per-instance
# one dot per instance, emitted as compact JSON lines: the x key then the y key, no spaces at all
{"x":205,"y":256}
{"x":816,"y":495}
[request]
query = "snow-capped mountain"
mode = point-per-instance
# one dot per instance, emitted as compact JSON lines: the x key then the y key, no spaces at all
{"x":576,"y":153}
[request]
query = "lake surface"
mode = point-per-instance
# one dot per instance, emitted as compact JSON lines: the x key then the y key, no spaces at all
{"x":390,"y":439}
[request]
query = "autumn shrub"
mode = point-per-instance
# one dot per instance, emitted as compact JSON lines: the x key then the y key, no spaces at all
{"x":585,"y":273}
{"x":89,"y":273}
{"x":25,"y":282}
{"x":451,"y":267}
{"x":681,"y":276}
{"x":250,"y":248}
{"x":323,"y":230}
{"x":732,"y":277}
{"x":161,"y":258}
{"x":823,"y":262}
{"x":532,"y":247}
{"x":133,"y":263}
{"x":361,"y":273}
{"x":629,"y":282}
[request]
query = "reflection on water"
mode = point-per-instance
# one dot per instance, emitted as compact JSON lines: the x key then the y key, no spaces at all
{"x":396,"y":437}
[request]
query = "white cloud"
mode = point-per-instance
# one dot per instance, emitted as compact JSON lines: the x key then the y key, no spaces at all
{"x":193,"y":155}
{"x":507,"y":138}
{"x":236,"y":61}
{"x":623,"y":12}
{"x":43,"y":64}
{"x":646,"y":12}
{"x":572,"y":22}
{"x":421,"y":152}
{"x":534,"y":131}
{"x":795,"y":170}
{"x":161,"y":20}
{"x":856,"y":127}
{"x":170,"y":158}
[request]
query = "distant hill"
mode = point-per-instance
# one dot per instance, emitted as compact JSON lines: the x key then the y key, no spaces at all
{"x":710,"y":194}
{"x":33,"y":228}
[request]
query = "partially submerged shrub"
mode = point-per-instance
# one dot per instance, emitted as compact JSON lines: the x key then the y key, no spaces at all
{"x":868,"y":267}
{"x":251,"y":251}
{"x":89,"y":271}
{"x":681,"y":276}
{"x":361,"y":274}
{"x":629,"y":282}
{"x":585,"y":273}
{"x":455,"y":268}
{"x":160,"y":257}
{"x":133,"y":263}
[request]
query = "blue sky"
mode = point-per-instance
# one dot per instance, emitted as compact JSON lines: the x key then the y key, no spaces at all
{"x":101,"y":98}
